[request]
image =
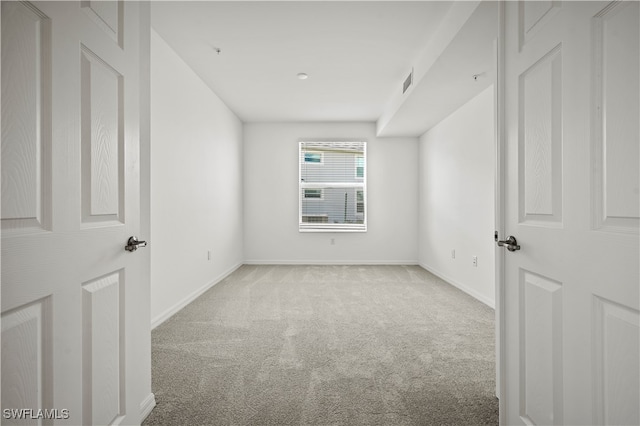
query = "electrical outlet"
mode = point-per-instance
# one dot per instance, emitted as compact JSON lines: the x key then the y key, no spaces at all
{"x":208,"y":254}
{"x":333,"y":241}
{"x":453,"y":253}
{"x":474,"y":260}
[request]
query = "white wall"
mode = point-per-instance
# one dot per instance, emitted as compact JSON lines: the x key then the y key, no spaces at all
{"x":271,"y":197}
{"x":457,"y":198}
{"x":196,"y":184}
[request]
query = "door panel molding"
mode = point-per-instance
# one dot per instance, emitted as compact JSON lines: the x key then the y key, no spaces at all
{"x":108,"y":16}
{"x":541,"y":369}
{"x":27,"y":356}
{"x":615,"y":139}
{"x":533,"y":15}
{"x":102,"y":126}
{"x":103,"y":349}
{"x":615,"y":327}
{"x":26,"y":118}
{"x":540,"y":141}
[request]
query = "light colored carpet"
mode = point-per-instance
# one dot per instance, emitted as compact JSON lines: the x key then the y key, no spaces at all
{"x":326,"y":345}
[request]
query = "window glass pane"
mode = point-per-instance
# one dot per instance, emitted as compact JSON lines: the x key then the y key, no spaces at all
{"x":338,"y":205}
{"x":313,"y":193}
{"x":312,"y":157}
{"x":332,"y":196}
{"x":360,"y":167}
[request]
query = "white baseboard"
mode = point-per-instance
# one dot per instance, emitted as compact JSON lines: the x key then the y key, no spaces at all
{"x":146,"y":406}
{"x":330,"y":262}
{"x":190,"y":298}
{"x":470,"y":291}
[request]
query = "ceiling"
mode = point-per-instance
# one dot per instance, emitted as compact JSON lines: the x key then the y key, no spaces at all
{"x":463,"y":69}
{"x":357,"y":55}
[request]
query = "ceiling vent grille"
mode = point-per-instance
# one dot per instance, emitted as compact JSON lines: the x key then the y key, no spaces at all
{"x":407,"y":82}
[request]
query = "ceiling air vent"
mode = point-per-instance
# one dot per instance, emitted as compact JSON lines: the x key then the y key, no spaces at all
{"x":407,"y":82}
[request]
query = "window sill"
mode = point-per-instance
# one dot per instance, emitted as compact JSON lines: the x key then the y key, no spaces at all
{"x":329,"y":229}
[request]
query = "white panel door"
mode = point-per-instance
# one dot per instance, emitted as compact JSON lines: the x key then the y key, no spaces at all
{"x":71,"y":294}
{"x":572,"y":150}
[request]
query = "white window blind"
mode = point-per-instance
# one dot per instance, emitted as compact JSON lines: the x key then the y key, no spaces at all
{"x":333,"y":191}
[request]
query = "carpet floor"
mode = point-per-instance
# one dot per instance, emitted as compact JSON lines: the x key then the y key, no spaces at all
{"x":326,"y":345}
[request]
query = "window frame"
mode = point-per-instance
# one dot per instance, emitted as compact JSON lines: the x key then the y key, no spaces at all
{"x":359,"y":185}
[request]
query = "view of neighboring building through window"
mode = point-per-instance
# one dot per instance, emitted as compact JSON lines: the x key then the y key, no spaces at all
{"x":332,"y":186}
{"x":313,"y":194}
{"x":313,"y":157}
{"x":359,"y":166}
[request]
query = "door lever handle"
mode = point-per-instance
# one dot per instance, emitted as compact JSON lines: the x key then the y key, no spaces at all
{"x":133,"y":244}
{"x":510,"y":243}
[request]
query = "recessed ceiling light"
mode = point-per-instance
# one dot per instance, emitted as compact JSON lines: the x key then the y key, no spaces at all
{"x":302,"y":76}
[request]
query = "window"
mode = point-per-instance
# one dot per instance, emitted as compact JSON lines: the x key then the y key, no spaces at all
{"x":359,"y":166}
{"x":313,"y":157}
{"x":333,"y":190}
{"x":310,"y":194}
